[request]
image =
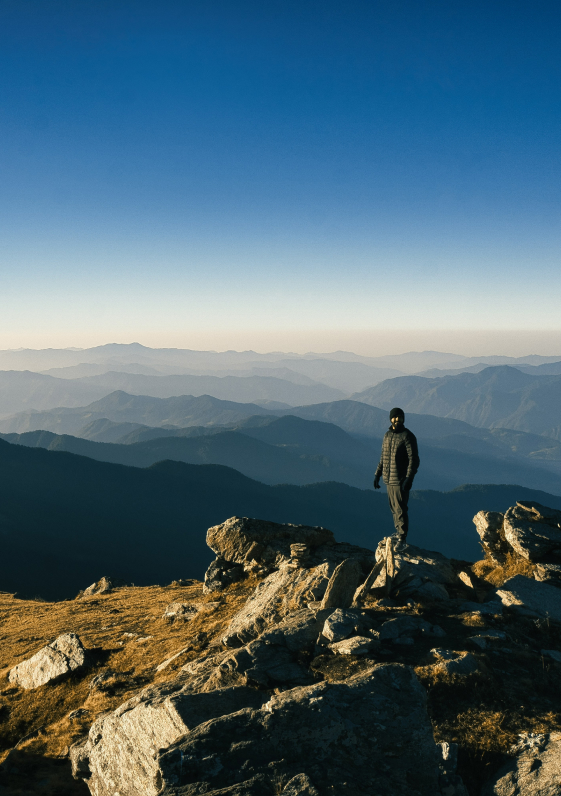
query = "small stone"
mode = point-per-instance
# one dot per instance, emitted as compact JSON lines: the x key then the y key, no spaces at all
{"x":181,"y":611}
{"x":104,"y":586}
{"x":339,"y":625}
{"x":77,"y":714}
{"x":358,"y":645}
{"x":460,"y":663}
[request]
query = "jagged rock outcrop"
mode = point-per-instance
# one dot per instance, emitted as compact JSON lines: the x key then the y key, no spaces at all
{"x":335,"y":737}
{"x":105,"y":585}
{"x":65,"y":654}
{"x":252,"y":716}
{"x":243,"y":539}
{"x":489,"y":525}
{"x":535,"y":769}
{"x":533,"y":531}
{"x":529,"y":530}
{"x":419,"y":574}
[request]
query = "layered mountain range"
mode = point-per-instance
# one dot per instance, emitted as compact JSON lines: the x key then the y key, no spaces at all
{"x":95,"y":474}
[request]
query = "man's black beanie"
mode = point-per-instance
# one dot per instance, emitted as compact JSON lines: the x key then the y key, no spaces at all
{"x":397,"y":412}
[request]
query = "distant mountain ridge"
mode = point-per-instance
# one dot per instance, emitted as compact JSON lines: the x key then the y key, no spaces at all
{"x":290,"y":449}
{"x":66,"y":519}
{"x":495,"y":397}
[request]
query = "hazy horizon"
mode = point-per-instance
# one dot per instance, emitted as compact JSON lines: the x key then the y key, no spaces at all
{"x":371,"y":343}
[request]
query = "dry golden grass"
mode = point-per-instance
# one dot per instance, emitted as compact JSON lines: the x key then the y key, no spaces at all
{"x":101,"y":622}
{"x":516,"y":690}
{"x":497,"y":575}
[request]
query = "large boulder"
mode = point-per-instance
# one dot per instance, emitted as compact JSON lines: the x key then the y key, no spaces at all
{"x":531,"y":598}
{"x":489,"y":526}
{"x":282,"y":591}
{"x":369,"y":734}
{"x":535,"y":769}
{"x":533,"y":531}
{"x":420,"y":574}
{"x":242,"y":539}
{"x":64,"y":655}
{"x":120,"y":752}
{"x":243,"y":544}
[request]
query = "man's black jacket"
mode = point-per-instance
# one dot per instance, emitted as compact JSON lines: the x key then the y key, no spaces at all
{"x":400,"y":457}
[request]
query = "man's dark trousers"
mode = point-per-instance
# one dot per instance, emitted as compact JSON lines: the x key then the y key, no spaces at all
{"x":398,"y":499}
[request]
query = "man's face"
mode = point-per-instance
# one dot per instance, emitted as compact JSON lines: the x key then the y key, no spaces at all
{"x":397,"y":421}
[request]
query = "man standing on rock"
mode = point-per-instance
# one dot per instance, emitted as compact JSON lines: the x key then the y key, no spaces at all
{"x":398,"y":464}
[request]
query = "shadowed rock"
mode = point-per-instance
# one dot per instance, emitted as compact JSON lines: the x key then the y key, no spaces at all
{"x":531,"y":598}
{"x":337,"y":735}
{"x":534,"y":771}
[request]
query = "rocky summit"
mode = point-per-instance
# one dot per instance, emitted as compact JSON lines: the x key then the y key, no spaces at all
{"x":302,"y":666}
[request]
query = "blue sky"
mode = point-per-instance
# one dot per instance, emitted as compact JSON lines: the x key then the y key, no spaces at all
{"x":236,"y":174}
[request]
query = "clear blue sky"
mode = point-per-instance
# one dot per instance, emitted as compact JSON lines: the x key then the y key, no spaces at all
{"x":229,"y":173}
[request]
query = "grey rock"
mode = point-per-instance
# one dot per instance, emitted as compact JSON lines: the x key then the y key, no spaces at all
{"x":220,"y":574}
{"x":548,"y":573}
{"x":340,"y":624}
{"x":343,"y":584}
{"x":531,"y":598}
{"x":357,"y":645}
{"x":448,"y":753}
{"x":120,"y":753}
{"x":79,"y":759}
{"x":181,"y":611}
{"x":104,"y":586}
{"x":280,"y":592}
{"x":540,"y":512}
{"x":408,"y":626}
{"x":492,"y":608}
{"x":300,"y":785}
{"x":422,"y":574}
{"x":338,"y":735}
{"x":456,"y":663}
{"x":534,"y":771}
{"x":62,"y":656}
{"x":266,"y":542}
{"x":430,"y":591}
{"x":530,"y":535}
{"x":489,"y":526}
{"x":271,"y":659}
{"x":555,"y":655}
{"x":77,"y":714}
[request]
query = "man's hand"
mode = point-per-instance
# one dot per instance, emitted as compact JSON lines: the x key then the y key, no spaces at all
{"x":407,"y":484}
{"x":377,"y":482}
